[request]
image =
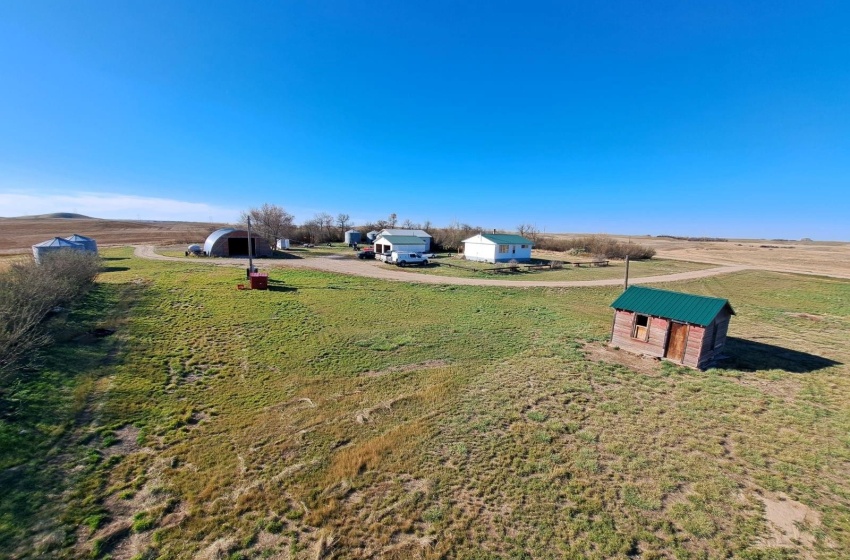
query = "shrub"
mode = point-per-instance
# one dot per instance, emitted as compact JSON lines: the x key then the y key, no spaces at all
{"x":601,"y":246}
{"x":28,"y":292}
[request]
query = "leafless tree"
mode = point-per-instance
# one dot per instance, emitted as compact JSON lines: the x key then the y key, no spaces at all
{"x":392,"y":220}
{"x":326,"y":222}
{"x":426,"y":225}
{"x":270,"y":221}
{"x":528,"y":230}
{"x":311,"y":231}
{"x":409,"y":224}
{"x":342,"y":222}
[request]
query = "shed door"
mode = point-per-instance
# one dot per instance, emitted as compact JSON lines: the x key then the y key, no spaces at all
{"x":676,"y":341}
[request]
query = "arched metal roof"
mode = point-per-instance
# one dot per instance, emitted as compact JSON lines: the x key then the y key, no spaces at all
{"x":215,"y":236}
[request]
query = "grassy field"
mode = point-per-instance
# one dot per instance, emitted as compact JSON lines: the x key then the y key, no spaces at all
{"x":615,"y":269}
{"x":452,"y":422}
{"x":294,"y":252}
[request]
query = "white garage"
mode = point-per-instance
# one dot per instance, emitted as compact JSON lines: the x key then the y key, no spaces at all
{"x":401,"y":243}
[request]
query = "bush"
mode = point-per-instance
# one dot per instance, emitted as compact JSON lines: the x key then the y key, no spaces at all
{"x":601,"y":246}
{"x":28,"y":292}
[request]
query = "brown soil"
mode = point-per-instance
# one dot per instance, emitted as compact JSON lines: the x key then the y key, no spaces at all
{"x":791,"y":524}
{"x":18,"y":235}
{"x":826,"y":258}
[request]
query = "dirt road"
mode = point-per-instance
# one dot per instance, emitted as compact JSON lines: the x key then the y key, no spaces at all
{"x":344,"y":265}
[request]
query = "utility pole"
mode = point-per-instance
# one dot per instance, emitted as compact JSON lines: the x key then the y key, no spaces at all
{"x":626,"y":281}
{"x":250,"y":256}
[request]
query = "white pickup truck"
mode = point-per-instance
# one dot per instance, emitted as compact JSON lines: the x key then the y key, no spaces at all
{"x":399,"y":258}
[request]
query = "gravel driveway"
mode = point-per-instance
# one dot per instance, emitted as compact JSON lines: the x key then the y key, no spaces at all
{"x":371,"y":269}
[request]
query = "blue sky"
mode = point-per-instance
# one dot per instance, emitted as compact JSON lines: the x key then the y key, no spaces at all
{"x":714,"y":118}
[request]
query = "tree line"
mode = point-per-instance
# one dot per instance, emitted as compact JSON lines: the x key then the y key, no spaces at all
{"x":273,"y":222}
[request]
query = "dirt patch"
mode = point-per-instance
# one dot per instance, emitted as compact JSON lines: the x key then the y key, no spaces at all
{"x":127,"y":442}
{"x":809,"y":316}
{"x":643,"y":364}
{"x":791,"y":524}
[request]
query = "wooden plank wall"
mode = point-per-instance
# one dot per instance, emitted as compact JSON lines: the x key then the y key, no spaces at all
{"x":693,"y":351}
{"x":622,"y":335}
{"x":698,"y":353}
{"x":721,"y":323}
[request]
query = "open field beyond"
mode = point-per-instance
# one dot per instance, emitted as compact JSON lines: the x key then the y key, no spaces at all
{"x":344,"y":417}
{"x":17,"y":235}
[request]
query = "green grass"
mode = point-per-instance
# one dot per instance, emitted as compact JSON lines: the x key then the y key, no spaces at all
{"x":452,"y":422}
{"x":615,"y":269}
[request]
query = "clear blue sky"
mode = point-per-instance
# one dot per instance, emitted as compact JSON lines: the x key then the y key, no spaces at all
{"x":720,"y":118}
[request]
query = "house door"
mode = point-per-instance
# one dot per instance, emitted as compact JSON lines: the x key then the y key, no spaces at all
{"x":676,"y":342}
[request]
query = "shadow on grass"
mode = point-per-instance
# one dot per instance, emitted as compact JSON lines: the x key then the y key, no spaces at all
{"x":40,"y":419}
{"x":115,"y":268}
{"x":749,"y":355}
{"x":114,"y":258}
{"x":281,"y":288}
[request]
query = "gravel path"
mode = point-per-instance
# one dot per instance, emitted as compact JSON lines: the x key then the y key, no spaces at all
{"x":370,"y":269}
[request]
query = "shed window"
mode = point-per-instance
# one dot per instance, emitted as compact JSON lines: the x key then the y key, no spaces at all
{"x":641,"y":328}
{"x":503,"y":248}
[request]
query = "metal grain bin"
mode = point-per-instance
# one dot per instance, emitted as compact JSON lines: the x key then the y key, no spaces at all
{"x":352,"y":237}
{"x":87,"y":242}
{"x":39,"y":250}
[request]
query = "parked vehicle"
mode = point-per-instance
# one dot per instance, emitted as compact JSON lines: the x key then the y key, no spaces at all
{"x":405,"y":259}
{"x":366,"y":254}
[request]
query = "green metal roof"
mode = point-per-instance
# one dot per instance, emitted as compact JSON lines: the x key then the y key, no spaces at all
{"x":403,"y":239}
{"x":507,"y":239}
{"x":687,"y":308}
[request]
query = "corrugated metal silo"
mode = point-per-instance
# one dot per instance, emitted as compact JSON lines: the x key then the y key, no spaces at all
{"x":352,"y":237}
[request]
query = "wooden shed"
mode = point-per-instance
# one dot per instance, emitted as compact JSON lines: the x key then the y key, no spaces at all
{"x":683,"y":328}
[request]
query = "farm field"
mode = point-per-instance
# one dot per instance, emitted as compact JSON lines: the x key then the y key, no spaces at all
{"x":828,"y":258}
{"x":309,"y":421}
{"x":17,"y":235}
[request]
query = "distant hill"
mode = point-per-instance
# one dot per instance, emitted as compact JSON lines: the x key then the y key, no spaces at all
{"x":62,"y":215}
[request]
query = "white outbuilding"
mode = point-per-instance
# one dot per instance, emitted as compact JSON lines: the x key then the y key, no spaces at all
{"x":497,"y":247}
{"x":420,"y":233}
{"x":401,"y":243}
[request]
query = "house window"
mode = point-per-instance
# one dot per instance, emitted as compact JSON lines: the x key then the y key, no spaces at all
{"x":524,"y":246}
{"x":503,"y":248}
{"x":641,"y":328}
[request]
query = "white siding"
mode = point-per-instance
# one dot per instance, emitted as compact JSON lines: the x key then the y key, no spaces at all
{"x":479,"y":249}
{"x":515,"y":251}
{"x":397,"y":247}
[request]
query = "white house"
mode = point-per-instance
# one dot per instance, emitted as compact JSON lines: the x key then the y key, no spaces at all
{"x":402,"y":243}
{"x":421,"y":234}
{"x":497,"y":247}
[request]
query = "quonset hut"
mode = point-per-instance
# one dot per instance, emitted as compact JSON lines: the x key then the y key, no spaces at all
{"x":40,"y":250}
{"x":230,"y":242}
{"x":683,"y":328}
{"x":87,"y":242}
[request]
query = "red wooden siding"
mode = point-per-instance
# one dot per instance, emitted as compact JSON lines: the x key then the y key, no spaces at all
{"x":698,"y":350}
{"x":622,"y":336}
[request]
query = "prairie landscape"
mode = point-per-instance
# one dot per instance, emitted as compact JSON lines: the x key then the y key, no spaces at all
{"x":17,"y":235}
{"x":315,"y":420}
